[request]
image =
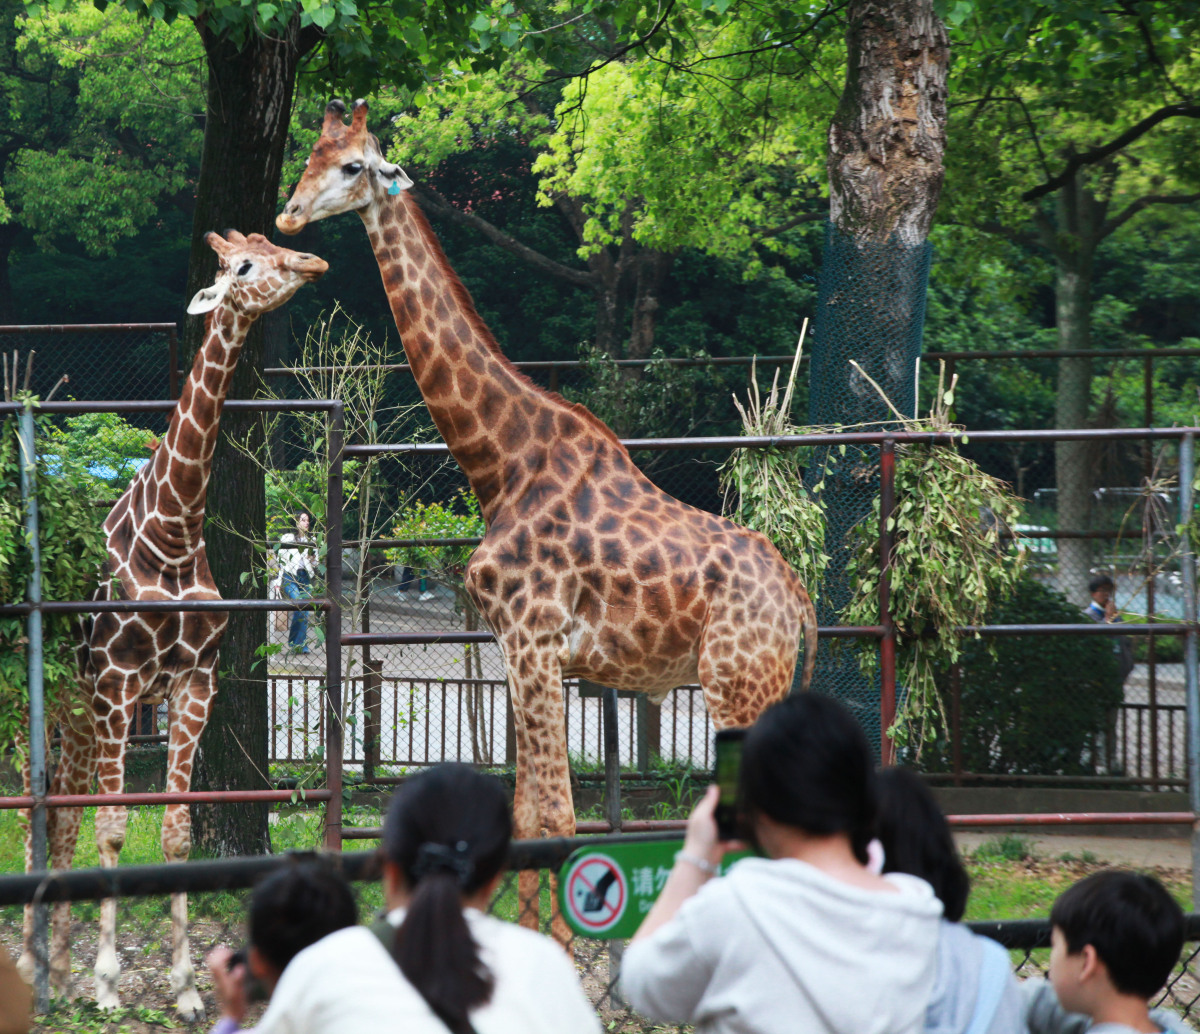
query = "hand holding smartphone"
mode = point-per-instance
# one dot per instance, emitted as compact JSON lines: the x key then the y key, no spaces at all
{"x":728,"y":750}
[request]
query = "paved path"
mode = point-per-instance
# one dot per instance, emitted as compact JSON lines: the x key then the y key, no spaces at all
{"x":1133,"y":851}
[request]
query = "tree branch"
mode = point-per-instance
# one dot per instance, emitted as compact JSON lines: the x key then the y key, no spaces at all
{"x":774,"y":231}
{"x":1132,"y":209}
{"x":434,"y":202}
{"x":1098,"y":154}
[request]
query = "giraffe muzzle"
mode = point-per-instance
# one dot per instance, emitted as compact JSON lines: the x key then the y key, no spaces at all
{"x":292,"y":220}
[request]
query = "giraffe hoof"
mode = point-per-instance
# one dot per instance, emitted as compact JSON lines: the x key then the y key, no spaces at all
{"x":189,"y":1006}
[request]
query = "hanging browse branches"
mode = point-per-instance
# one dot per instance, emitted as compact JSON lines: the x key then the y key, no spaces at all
{"x":764,"y":487}
{"x":948,"y":560}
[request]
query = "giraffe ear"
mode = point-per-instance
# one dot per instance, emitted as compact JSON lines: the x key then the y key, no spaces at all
{"x":397,"y":175}
{"x":209,"y":298}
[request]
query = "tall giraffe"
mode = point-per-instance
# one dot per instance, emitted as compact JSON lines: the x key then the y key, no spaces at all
{"x":586,"y":568}
{"x":155,"y":539}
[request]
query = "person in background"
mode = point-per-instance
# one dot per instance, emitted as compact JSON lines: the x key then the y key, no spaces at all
{"x":1103,"y":610}
{"x":975,"y":990}
{"x":296,"y":570}
{"x":445,"y":843}
{"x":806,"y":938}
{"x":1115,"y":938}
{"x":322,"y":972}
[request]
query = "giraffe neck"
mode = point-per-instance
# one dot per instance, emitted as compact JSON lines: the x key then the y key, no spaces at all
{"x":486,"y":411}
{"x":180,"y":469}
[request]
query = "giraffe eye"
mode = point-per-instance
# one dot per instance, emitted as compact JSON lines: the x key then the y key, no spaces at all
{"x":246,"y":267}
{"x":352,"y":168}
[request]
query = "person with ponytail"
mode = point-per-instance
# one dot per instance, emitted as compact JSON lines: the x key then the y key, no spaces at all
{"x":806,"y":938}
{"x":445,"y":842}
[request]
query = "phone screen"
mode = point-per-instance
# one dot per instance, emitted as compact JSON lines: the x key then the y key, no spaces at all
{"x":728,"y":750}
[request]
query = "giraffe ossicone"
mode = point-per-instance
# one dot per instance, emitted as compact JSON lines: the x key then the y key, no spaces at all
{"x":155,"y":545}
{"x":586,"y":568}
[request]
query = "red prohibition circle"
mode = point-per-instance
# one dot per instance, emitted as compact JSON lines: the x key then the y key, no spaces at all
{"x":609,"y":914}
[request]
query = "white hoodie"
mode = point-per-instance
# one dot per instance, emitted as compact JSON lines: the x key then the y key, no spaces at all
{"x":779,"y":947}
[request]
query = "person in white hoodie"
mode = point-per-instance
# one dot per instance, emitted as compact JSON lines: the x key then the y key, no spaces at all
{"x":806,"y":938}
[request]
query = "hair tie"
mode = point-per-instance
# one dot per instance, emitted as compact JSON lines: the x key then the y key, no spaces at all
{"x":441,"y":858}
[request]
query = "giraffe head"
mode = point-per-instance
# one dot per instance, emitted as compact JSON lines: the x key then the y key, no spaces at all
{"x":345,"y":172}
{"x":255,"y":276}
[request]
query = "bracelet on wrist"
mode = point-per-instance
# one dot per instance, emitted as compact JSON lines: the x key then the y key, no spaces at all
{"x":702,"y":864}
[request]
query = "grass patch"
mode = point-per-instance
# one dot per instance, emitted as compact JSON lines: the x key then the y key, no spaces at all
{"x":1025,"y":889}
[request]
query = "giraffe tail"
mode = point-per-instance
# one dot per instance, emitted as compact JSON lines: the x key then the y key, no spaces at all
{"x":808,"y":623}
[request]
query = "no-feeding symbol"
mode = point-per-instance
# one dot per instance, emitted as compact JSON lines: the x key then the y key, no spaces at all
{"x":596,"y":893}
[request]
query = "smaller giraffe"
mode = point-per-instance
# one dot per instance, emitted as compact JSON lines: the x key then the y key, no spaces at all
{"x":155,"y":540}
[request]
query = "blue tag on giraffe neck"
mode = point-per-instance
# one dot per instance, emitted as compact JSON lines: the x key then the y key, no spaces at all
{"x":394,"y":188}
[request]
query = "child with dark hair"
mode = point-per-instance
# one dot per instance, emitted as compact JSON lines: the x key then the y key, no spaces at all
{"x":1115,"y":938}
{"x":445,"y":842}
{"x":322,"y":972}
{"x":975,"y":990}
{"x":806,"y":938}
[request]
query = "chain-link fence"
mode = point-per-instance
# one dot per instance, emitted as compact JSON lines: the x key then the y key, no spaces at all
{"x":122,"y":361}
{"x":217,"y":902}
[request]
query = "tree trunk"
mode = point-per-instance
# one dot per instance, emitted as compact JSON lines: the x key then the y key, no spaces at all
{"x":8,"y":237}
{"x":249,"y":104}
{"x":1079,"y":217}
{"x":886,"y":143}
{"x":889,"y":132}
{"x":652,"y":269}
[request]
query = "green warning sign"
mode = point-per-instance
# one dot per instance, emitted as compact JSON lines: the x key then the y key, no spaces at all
{"x":606,"y":891}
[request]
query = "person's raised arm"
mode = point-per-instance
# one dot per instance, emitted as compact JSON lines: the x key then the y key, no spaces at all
{"x":694,"y":865}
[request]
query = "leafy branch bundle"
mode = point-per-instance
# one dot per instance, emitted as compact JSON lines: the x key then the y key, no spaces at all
{"x":766,"y":485}
{"x":948,"y":563}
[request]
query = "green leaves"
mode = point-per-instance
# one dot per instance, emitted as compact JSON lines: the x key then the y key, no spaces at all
{"x":72,"y":542}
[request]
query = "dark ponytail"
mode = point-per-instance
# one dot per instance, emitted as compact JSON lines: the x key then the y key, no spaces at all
{"x":448,"y":831}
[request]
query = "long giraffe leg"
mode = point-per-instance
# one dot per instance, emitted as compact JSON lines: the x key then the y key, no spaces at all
{"x":114,"y":703}
{"x":76,"y":766}
{"x":188,"y":713}
{"x":542,"y":805}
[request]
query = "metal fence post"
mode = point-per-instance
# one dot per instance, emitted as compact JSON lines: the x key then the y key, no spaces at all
{"x":37,"y":706}
{"x":1187,"y":560}
{"x":612,"y":811}
{"x":333,"y":630}
{"x":887,"y":645}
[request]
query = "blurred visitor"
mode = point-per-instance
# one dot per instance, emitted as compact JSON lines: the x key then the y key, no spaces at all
{"x":1115,"y":939}
{"x":322,"y":973}
{"x":1103,"y":610}
{"x":806,"y":938}
{"x":296,"y":570}
{"x":974,"y":991}
{"x":445,"y":842}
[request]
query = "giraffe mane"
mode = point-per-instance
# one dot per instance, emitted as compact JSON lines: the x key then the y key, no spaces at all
{"x":463,"y":298}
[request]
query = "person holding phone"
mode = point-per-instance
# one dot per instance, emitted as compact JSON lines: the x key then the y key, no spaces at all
{"x":805,"y":937}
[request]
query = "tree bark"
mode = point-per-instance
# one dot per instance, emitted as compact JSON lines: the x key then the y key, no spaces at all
{"x":1079,"y":216}
{"x":250,"y":92}
{"x":889,"y":132}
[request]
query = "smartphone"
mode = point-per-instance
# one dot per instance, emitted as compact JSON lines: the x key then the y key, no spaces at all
{"x":728,"y":750}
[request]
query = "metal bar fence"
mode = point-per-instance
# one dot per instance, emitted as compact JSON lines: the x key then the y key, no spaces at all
{"x":218,"y":892}
{"x":34,"y":607}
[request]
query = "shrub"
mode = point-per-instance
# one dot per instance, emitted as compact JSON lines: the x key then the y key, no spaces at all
{"x":1043,"y":704}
